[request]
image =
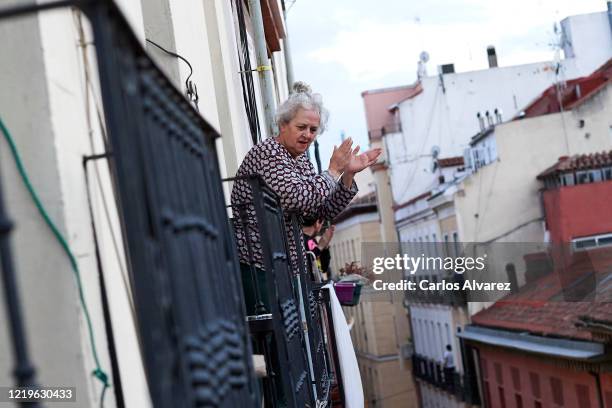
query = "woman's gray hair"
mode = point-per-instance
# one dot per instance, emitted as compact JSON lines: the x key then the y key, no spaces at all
{"x":302,"y":98}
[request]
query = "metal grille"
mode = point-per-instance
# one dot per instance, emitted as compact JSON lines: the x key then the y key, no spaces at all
{"x":315,"y":320}
{"x":284,"y":298}
{"x":182,"y":261}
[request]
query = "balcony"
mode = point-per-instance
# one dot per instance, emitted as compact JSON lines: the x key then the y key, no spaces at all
{"x":283,"y":299}
{"x":385,"y":130}
{"x":195,"y":338}
{"x":455,"y":384}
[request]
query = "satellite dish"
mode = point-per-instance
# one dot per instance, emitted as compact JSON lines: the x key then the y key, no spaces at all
{"x":435,"y":152}
{"x":424,"y":57}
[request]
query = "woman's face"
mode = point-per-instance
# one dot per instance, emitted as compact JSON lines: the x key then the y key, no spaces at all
{"x":300,"y":132}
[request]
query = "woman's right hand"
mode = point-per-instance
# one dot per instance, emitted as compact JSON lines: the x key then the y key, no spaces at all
{"x":341,"y":157}
{"x":327,"y":237}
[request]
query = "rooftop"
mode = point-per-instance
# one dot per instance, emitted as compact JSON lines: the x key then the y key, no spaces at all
{"x":360,"y":205}
{"x":390,"y":89}
{"x":573,"y":94}
{"x":566,"y":164}
{"x":412,"y":201}
{"x":546,"y":307}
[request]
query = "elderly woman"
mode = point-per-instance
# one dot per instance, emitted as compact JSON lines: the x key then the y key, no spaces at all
{"x":282,"y":163}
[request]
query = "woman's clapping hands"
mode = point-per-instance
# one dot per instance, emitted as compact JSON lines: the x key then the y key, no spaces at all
{"x":361,"y":161}
{"x":345,"y":159}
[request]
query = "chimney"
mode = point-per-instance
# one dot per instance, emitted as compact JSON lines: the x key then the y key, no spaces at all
{"x":480,"y":121}
{"x":498,"y":116}
{"x":489,"y":119}
{"x":492,"y":55}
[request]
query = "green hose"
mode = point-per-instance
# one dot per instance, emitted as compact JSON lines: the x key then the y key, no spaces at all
{"x":98,"y":372}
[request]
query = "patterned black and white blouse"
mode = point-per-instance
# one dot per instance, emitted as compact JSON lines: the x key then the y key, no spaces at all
{"x":300,"y":190}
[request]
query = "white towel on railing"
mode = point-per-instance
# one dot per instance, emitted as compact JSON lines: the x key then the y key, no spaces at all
{"x":351,"y":378}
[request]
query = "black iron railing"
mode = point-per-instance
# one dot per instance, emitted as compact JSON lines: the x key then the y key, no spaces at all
{"x":293,"y":324}
{"x":449,"y":380}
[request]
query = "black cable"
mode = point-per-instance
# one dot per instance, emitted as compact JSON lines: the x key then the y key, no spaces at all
{"x":177,"y":56}
{"x":248,"y":88}
{"x":110,"y":337}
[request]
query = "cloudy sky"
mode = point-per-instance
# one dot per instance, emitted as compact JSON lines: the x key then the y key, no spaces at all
{"x":343,"y":47}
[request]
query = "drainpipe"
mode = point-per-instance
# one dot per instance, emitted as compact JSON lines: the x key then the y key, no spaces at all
{"x":598,"y":382}
{"x":610,"y":15}
{"x":287,"y":51}
{"x":264,"y":66}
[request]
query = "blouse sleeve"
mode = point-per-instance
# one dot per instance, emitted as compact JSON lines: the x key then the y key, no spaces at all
{"x":338,"y":200}
{"x":298,"y":190}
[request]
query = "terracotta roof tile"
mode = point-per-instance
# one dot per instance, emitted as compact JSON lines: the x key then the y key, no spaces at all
{"x":577,"y":162}
{"x":412,"y":201}
{"x":574,"y":93}
{"x":540,"y":306}
{"x":360,"y":205}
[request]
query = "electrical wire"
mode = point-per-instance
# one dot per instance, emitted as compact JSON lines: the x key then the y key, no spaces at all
{"x":246,"y":71}
{"x":174,"y":54}
{"x":98,"y":372}
{"x":89,"y":91}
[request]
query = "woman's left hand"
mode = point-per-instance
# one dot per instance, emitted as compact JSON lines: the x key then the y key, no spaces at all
{"x":361,"y":161}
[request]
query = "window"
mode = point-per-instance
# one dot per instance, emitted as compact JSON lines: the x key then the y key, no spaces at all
{"x":608,"y":396}
{"x":484,"y":368}
{"x":456,"y":243}
{"x":534,"y":379}
{"x":498,"y":373}
{"x":596,"y":175}
{"x":435,"y":245}
{"x":487,"y":394}
{"x":584,"y":243}
{"x":502,"y":397}
{"x":516,"y":378}
{"x":557,"y":390}
{"x":605,"y":240}
{"x":582,"y":177}
{"x":518,"y":400}
{"x":568,"y":179}
{"x":582,"y":394}
{"x":441,"y":340}
{"x":446,"y":247}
